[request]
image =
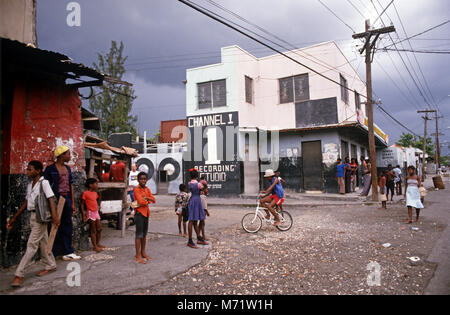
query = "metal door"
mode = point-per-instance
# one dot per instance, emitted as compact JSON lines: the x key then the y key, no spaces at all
{"x":312,"y":165}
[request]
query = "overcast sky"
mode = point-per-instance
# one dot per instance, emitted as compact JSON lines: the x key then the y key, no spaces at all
{"x":163,"y":38}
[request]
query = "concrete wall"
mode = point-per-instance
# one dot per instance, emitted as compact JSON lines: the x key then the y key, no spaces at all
{"x":42,"y":116}
{"x":266,"y":110}
{"x":18,"y":20}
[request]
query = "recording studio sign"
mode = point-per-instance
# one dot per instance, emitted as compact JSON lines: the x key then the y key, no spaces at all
{"x":218,"y":157}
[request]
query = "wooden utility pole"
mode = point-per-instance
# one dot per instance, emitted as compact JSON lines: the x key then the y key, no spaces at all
{"x":438,"y":149}
{"x":369,"y":48}
{"x":424,"y":139}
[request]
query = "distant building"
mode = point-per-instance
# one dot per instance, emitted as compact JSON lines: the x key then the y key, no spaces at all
{"x":172,"y":131}
{"x":317,"y":120}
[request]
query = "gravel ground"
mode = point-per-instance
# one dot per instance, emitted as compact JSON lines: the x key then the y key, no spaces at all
{"x":327,"y":251}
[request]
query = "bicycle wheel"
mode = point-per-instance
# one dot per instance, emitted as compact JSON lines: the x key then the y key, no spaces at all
{"x":286,"y":221}
{"x":251,"y":223}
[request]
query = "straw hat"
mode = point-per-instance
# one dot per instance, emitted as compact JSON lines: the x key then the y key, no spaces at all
{"x":269,"y":173}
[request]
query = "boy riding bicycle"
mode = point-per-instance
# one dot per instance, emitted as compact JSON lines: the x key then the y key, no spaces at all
{"x":273,"y":196}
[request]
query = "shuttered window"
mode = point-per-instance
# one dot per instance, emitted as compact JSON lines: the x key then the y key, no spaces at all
{"x":295,"y":88}
{"x":212,"y":94}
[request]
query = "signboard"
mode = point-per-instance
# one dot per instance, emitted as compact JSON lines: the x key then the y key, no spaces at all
{"x":363,"y":121}
{"x":215,"y":135}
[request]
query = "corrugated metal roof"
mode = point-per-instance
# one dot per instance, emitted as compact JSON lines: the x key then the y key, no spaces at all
{"x":29,"y":58}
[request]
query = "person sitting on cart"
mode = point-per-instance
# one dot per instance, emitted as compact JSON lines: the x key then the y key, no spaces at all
{"x":274,"y":195}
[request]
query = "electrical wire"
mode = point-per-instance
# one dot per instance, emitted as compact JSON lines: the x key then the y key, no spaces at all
{"x":332,"y":12}
{"x":421,"y":33}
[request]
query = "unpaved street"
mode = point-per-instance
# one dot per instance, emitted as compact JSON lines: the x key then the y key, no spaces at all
{"x":326,"y":252}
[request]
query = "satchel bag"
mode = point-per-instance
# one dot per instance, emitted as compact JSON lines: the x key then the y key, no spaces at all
{"x":135,"y":204}
{"x":423,"y":191}
{"x":42,"y":206}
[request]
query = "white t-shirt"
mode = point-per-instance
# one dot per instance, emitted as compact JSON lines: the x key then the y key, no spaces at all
{"x":33,"y":192}
{"x":133,"y":179}
{"x":398,"y":173}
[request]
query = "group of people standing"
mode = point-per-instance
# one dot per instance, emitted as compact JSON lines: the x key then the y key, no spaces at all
{"x":346,"y":176}
{"x":192,"y":208}
{"x":390,"y":183}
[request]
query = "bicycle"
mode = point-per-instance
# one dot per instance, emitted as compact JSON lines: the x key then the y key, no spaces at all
{"x":252,"y":222}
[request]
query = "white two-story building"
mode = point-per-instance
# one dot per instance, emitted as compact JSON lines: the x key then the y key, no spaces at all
{"x":309,"y":120}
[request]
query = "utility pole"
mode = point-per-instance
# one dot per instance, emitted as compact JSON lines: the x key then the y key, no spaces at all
{"x":424,"y":139}
{"x":438,"y":148}
{"x":369,"y":48}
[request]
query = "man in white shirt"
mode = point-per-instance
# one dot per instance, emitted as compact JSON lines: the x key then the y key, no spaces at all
{"x":398,"y":180}
{"x":132,"y":182}
{"x":39,"y":234}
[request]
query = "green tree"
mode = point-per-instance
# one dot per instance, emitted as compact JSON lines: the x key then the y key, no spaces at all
{"x":113,"y":102}
{"x":445,"y":160}
{"x":409,"y":140}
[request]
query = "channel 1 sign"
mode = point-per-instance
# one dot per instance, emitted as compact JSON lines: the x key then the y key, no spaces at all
{"x":212,"y":150}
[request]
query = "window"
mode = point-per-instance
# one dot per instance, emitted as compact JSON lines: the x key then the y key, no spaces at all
{"x":295,"y":88}
{"x":357,"y":101}
{"x":212,"y":94}
{"x":344,"y":89}
{"x":249,"y":90}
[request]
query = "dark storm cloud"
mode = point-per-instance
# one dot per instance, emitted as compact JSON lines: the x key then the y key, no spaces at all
{"x":164,"y":37}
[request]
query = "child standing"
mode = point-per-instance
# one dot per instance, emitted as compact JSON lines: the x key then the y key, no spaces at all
{"x":181,"y":200}
{"x":382,"y":184}
{"x":203,"y":195}
{"x":196,"y":211}
{"x":412,"y":193}
{"x":144,"y":197}
{"x":89,"y":210}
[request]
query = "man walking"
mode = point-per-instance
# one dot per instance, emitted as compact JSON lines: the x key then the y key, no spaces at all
{"x":60,"y":178}
{"x":39,"y":234}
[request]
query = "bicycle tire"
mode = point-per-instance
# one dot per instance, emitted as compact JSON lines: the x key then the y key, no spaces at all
{"x":251,"y":216}
{"x":287,"y":217}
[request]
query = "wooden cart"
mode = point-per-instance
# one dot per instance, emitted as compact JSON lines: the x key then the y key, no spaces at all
{"x":96,"y":155}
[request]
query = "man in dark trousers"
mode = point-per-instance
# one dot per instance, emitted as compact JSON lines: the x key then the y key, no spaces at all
{"x":390,"y":184}
{"x":60,"y":178}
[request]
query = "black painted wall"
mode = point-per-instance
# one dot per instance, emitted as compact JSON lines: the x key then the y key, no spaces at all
{"x":316,"y":112}
{"x":14,"y":242}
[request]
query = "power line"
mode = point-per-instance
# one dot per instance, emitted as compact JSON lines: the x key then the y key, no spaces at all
{"x":351,"y":3}
{"x":216,"y":16}
{"x":379,"y":16}
{"x":418,"y":51}
{"x":415,"y":57}
{"x":211,"y":15}
{"x":395,"y":119}
{"x":293,"y":47}
{"x":332,"y":12}
{"x":421,"y":33}
{"x":403,"y":61}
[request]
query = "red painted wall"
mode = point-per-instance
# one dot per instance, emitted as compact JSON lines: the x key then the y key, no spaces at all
{"x":43,"y":116}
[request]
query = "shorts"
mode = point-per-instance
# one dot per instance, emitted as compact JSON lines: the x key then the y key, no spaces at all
{"x":141,"y":223}
{"x":185,"y":214}
{"x":93,"y":215}
{"x":278,"y":201}
{"x":204,"y":202}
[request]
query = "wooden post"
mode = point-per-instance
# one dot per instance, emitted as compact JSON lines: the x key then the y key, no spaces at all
{"x":54,"y":229}
{"x":124,"y":203}
{"x":425,"y":139}
{"x":368,"y":47}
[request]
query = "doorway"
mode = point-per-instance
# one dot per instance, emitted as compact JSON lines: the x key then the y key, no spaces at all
{"x":312,"y":165}
{"x":163,"y":183}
